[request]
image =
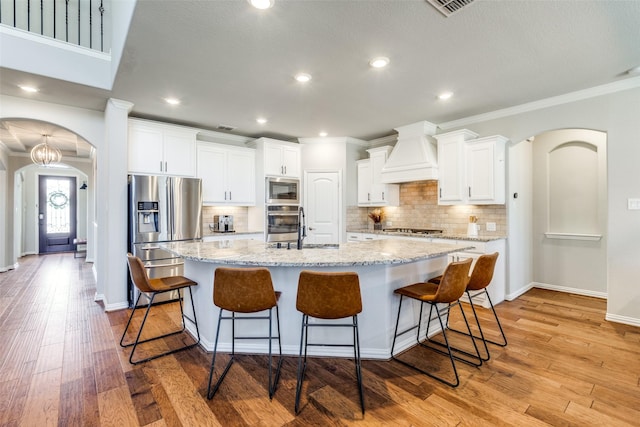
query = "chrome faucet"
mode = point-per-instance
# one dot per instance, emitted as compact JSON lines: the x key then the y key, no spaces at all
{"x":302,"y":227}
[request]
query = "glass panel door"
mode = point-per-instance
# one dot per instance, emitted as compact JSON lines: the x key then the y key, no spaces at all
{"x":57,"y":213}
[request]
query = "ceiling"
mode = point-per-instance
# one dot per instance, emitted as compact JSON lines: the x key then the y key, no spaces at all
{"x":229,"y":63}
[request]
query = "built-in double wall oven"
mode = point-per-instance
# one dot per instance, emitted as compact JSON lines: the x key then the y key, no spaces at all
{"x":282,"y":209}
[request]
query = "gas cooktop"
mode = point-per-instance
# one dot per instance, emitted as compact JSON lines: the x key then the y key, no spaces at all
{"x":412,"y":230}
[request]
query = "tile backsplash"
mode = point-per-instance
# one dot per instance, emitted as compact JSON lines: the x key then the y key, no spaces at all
{"x":419,"y":209}
{"x":240,"y":216}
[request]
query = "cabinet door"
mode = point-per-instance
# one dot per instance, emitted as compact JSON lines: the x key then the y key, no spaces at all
{"x":291,"y":161}
{"x":179,"y":154}
{"x":212,"y":171}
{"x":451,"y":179}
{"x":241,"y":178}
{"x":364,"y":182}
{"x":273,"y":165}
{"x":377,"y":187}
{"x":480,"y":172}
{"x":145,"y":150}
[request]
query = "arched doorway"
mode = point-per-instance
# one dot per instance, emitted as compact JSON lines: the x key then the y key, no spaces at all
{"x":78,"y":162}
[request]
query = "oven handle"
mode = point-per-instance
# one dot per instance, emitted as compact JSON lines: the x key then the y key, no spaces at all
{"x":282,"y":214}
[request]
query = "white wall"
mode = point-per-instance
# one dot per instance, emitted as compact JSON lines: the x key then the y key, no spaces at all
{"x":616,"y":114}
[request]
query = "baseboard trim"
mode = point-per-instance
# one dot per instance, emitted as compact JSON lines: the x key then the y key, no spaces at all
{"x":513,"y":295}
{"x":568,"y":290}
{"x":622,"y":319}
{"x":116,"y":307}
{"x":9,"y":267}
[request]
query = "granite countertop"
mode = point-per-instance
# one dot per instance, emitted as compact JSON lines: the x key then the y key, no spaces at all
{"x":252,"y":252}
{"x":449,"y":236}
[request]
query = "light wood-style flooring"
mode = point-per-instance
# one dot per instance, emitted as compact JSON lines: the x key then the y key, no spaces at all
{"x":60,"y":364}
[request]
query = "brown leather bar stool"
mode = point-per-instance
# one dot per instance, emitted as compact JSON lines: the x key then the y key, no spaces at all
{"x":480,"y":278}
{"x":452,"y":286}
{"x":245,"y":290}
{"x":153,"y":287}
{"x":324,"y":295}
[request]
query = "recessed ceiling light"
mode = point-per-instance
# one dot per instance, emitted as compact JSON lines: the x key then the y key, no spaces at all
{"x":323,"y":134}
{"x":261,"y":4}
{"x":172,"y":101}
{"x":445,"y":95}
{"x":303,"y":77}
{"x":261,"y":120}
{"x":379,"y":62}
{"x":29,"y":89}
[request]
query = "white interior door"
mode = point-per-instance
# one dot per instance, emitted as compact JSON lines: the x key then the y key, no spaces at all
{"x":569,"y":211}
{"x":322,"y":205}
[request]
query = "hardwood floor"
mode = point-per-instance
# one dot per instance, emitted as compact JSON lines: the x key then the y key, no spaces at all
{"x":61,"y":365}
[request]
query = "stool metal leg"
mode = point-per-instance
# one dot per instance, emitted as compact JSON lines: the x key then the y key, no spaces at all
{"x":495,"y":315}
{"x":273,"y":378}
{"x":144,"y":320}
{"x":448,"y":353}
{"x":302,"y":366}
{"x":302,"y":358}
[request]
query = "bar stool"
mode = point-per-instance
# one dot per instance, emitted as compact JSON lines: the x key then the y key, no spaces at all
{"x":480,"y":278}
{"x":452,"y":286}
{"x":245,"y":290}
{"x":154,"y":287}
{"x":325,"y":295}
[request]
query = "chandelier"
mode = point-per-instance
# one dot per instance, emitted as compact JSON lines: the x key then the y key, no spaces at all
{"x":43,"y":154}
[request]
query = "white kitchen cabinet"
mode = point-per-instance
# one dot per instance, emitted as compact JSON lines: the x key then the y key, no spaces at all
{"x":281,"y":159}
{"x":486,"y":170}
{"x":227,"y":173}
{"x":471,"y":170}
{"x":371,"y":190}
{"x":363,"y":237}
{"x":161,"y":149}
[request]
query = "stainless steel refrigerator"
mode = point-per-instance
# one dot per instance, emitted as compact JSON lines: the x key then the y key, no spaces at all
{"x":161,"y":209}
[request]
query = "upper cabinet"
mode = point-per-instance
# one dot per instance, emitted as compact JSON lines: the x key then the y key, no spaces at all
{"x":227,"y":173}
{"x":280,"y":158}
{"x":471,"y":169}
{"x":161,"y":149}
{"x":371,"y":190}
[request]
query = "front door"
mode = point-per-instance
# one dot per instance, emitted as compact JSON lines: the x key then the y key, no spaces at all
{"x":57,"y":213}
{"x":322,"y":205}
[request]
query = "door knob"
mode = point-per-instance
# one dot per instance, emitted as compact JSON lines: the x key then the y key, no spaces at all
{"x":311,"y":228}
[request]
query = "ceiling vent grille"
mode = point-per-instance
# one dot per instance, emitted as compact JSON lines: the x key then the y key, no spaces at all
{"x":449,"y":7}
{"x":225,"y":127}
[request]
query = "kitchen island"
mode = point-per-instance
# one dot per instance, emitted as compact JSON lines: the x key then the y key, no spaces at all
{"x":382,"y":266}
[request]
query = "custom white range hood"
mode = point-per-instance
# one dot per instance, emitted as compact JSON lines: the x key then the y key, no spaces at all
{"x":414,"y":157}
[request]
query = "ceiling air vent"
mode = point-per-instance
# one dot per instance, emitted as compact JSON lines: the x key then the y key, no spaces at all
{"x":449,"y":7}
{"x":225,"y":127}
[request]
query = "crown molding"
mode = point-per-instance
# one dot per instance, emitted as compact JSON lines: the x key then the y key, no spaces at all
{"x":606,"y":89}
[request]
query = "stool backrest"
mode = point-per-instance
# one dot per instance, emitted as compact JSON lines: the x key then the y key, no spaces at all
{"x":138,"y":274}
{"x":482,"y":272}
{"x":243,"y":290}
{"x":454,"y":281}
{"x":327,"y":295}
